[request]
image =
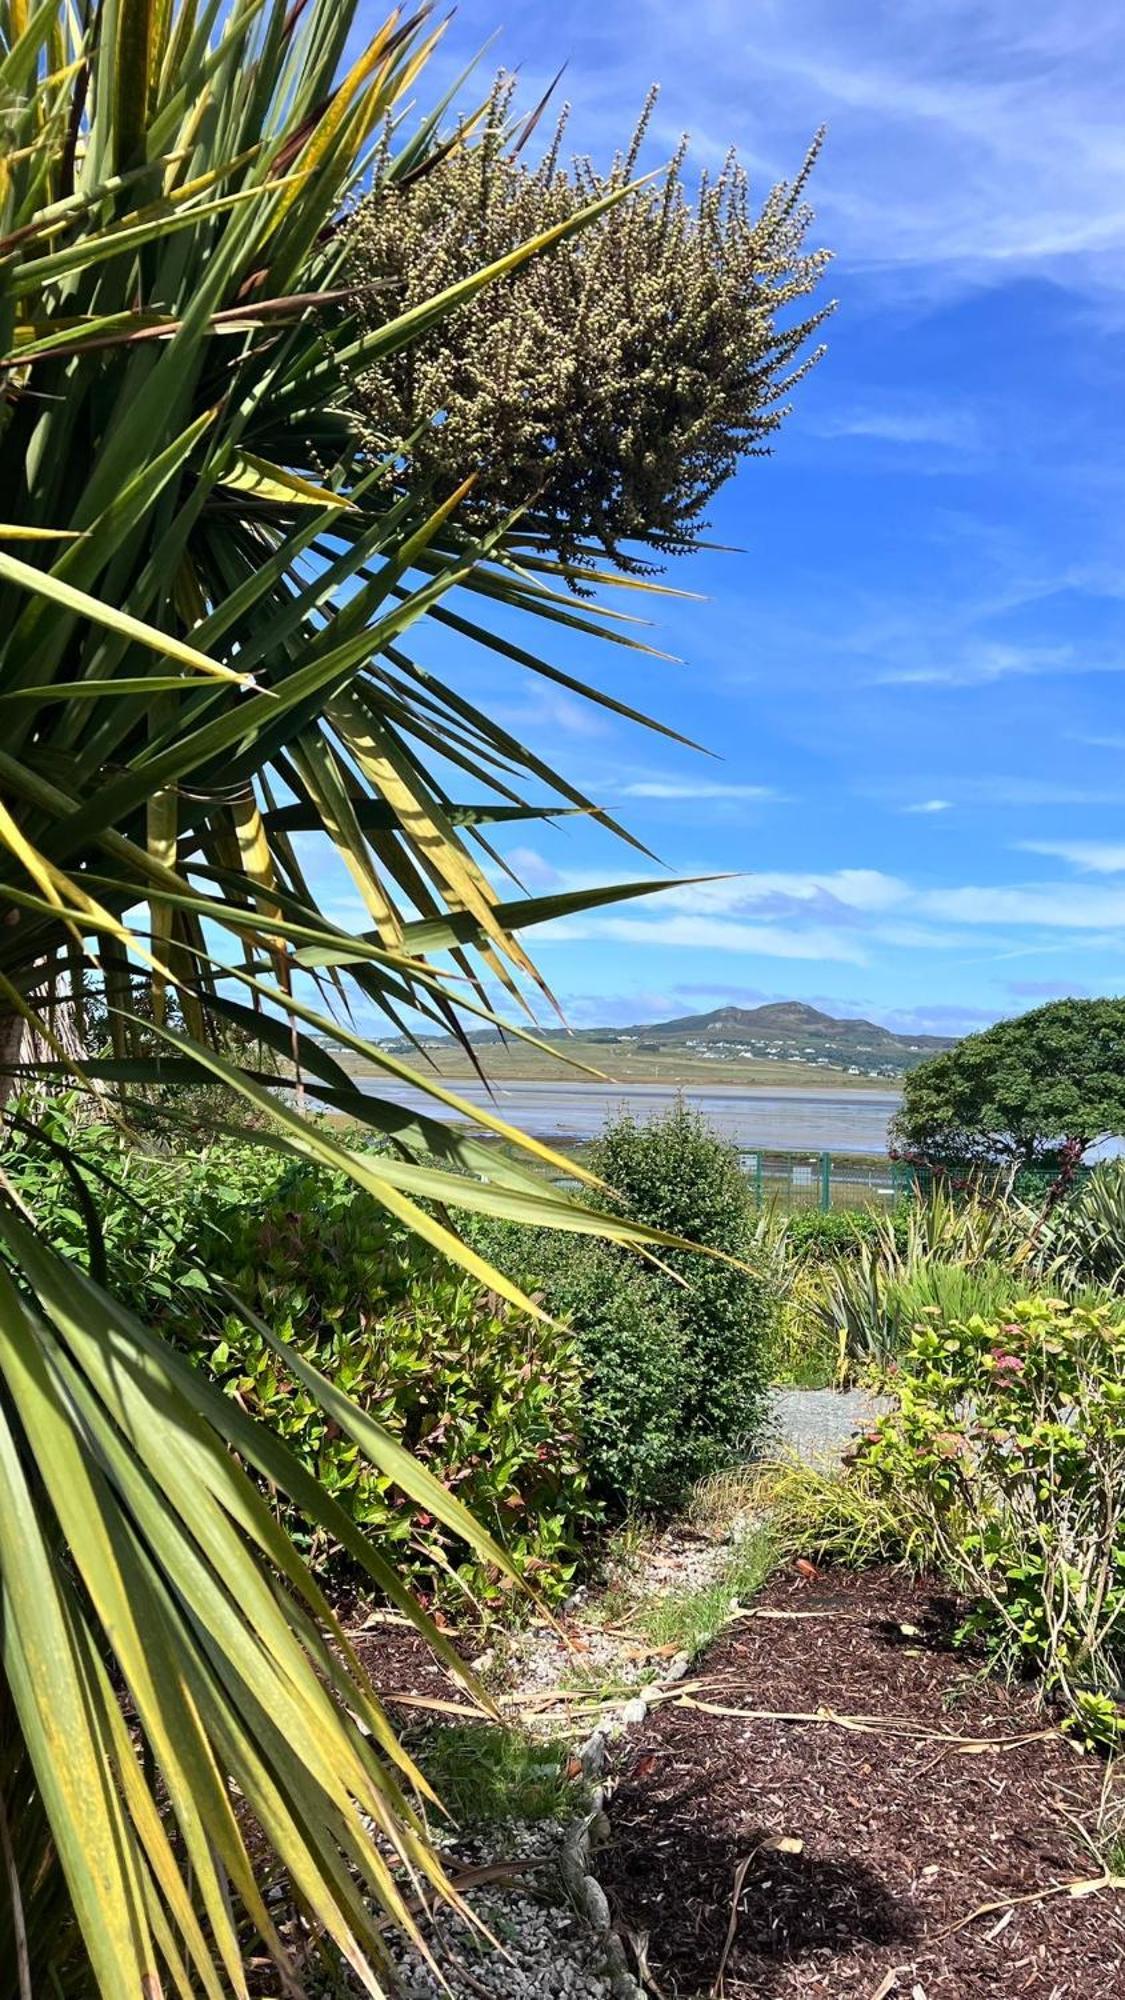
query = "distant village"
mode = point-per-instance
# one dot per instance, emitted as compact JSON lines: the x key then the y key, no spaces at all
{"x":815,"y":1056}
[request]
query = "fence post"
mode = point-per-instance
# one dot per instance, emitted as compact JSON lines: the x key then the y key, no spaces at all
{"x":826,"y":1181}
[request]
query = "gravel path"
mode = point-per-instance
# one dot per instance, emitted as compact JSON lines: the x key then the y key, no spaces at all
{"x":550,"y":1952}
{"x":819,"y":1424}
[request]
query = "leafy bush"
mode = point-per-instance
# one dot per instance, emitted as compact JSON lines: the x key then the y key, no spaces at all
{"x":486,"y":1397}
{"x":815,"y":1233}
{"x":127,"y":1211}
{"x":675,"y":1372}
{"x":676,"y":1174}
{"x":636,"y":1363}
{"x":1009,"y":1441}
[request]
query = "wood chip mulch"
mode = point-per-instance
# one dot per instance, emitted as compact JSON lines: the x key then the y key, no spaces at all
{"x":892,"y":1840}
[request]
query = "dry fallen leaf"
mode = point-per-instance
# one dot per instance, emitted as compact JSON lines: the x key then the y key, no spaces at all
{"x":783,"y":1843}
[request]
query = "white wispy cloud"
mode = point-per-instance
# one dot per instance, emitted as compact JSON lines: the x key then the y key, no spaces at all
{"x":1004,"y":789}
{"x":1048,"y":905}
{"x":986,"y":661}
{"x":704,"y":933}
{"x":1099,"y":857}
{"x":930,"y":806}
{"x":952,"y":428}
{"x":702,"y":788}
{"x":847,"y":914}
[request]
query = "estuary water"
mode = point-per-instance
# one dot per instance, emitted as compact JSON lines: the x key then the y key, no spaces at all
{"x":796,"y":1120}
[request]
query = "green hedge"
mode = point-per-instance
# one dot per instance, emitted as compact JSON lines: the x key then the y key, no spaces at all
{"x":676,"y":1360}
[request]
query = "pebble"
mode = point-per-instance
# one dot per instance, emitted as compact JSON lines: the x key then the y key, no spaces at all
{"x":548,"y":1951}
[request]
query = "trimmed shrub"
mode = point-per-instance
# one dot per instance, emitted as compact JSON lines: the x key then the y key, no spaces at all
{"x":636,"y":1363}
{"x":677,"y":1174}
{"x":816,"y":1233}
{"x":676,"y":1372}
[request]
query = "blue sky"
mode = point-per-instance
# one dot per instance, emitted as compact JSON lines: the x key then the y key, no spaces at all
{"x":913,"y":672}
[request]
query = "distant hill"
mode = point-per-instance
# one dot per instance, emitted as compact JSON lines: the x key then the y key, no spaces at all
{"x":788,"y":1030}
{"x":784,"y":1021}
{"x":781,"y":1031}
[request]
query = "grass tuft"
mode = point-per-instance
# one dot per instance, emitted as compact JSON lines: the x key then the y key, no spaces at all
{"x":486,"y":1775}
{"x":844,"y":1517}
{"x":690,"y":1620}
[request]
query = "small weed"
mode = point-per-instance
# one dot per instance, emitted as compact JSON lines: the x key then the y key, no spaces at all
{"x":600,"y":1683}
{"x":485,"y":1775}
{"x":690,"y":1620}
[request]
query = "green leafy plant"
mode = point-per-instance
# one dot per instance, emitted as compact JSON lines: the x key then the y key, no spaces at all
{"x":490,"y":1399}
{"x":946,"y":1293}
{"x":1008,"y":1440}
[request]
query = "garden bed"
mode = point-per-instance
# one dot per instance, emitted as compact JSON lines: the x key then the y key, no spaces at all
{"x":768,"y":1859}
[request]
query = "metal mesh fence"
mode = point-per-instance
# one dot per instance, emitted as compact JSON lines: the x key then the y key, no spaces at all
{"x":792,"y":1181}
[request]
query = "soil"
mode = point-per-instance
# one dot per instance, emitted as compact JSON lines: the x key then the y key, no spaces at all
{"x":406,"y":1675}
{"x":897,"y":1838}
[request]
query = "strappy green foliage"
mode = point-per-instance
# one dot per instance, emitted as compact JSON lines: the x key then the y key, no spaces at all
{"x":208,"y":595}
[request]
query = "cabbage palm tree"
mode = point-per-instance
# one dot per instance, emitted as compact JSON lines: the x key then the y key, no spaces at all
{"x":206,"y":586}
{"x":205,"y":583}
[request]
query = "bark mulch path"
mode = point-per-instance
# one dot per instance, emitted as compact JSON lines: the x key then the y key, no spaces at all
{"x":894,"y":1839}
